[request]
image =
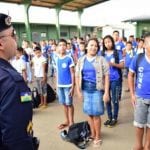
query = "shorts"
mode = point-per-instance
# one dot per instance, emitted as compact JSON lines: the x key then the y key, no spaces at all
{"x":142,"y":113}
{"x":93,"y":103}
{"x":63,"y":96}
{"x":42,"y":88}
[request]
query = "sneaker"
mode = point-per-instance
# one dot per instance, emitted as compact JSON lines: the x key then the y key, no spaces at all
{"x":106,"y":123}
{"x":112,"y":123}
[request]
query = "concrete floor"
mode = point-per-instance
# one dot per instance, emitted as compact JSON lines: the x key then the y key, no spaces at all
{"x":121,"y":137}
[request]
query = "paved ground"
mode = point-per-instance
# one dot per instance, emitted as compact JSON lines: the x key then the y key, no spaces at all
{"x":120,"y":137}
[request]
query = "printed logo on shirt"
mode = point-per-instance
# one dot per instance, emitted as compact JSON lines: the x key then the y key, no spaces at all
{"x":64,"y":65}
{"x":118,"y":47}
{"x":140,"y":77}
{"x":112,"y":60}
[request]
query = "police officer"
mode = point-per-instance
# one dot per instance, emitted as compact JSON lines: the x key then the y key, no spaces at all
{"x":15,"y":96}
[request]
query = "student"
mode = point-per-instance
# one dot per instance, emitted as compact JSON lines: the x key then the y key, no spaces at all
{"x":133,"y":41}
{"x":19,"y":63}
{"x":115,"y":60}
{"x":39,"y":65}
{"x":128,"y":54}
{"x":65,"y":83}
{"x":92,"y":81}
{"x":140,"y":47}
{"x":119,"y":46}
{"x":82,"y":49}
{"x":140,"y":96}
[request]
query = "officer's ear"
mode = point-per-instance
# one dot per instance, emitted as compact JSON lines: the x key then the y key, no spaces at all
{"x":1,"y":45}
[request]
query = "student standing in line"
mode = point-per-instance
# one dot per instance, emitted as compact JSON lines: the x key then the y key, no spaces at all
{"x":65,"y":82}
{"x":115,"y":60}
{"x":92,"y":81}
{"x":39,"y":64}
{"x":119,"y":46}
{"x":140,"y":96}
{"x":128,"y":54}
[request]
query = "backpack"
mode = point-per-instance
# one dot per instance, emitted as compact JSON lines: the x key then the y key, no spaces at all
{"x":77,"y":134}
{"x":139,"y":58}
{"x":35,"y":97}
{"x":51,"y":94}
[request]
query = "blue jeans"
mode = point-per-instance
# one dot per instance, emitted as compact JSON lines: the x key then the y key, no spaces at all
{"x":114,"y":100}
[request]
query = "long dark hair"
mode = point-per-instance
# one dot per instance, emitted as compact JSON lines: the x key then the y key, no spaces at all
{"x":115,"y":52}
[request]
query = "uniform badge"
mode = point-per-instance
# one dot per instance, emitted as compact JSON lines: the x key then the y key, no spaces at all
{"x":8,"y":21}
{"x":64,"y":65}
{"x":26,"y":97}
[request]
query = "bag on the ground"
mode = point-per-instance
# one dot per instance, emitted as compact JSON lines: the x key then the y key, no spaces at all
{"x":35,"y":97}
{"x":51,"y":94}
{"x":77,"y":134}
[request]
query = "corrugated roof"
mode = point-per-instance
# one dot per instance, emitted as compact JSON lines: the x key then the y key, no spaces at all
{"x":71,"y":5}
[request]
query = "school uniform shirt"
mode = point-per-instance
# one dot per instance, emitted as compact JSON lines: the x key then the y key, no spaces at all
{"x":80,"y":54}
{"x":139,"y":50}
{"x":142,"y":87}
{"x":129,"y":56}
{"x":38,"y":65}
{"x":89,"y":72}
{"x":19,"y":64}
{"x":114,"y":74}
{"x":63,"y":65}
{"x":119,"y":46}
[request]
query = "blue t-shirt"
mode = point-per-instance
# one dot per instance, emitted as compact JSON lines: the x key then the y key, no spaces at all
{"x":63,"y":66}
{"x":81,"y":53}
{"x":114,"y":74}
{"x":143,"y":74}
{"x":128,"y":58}
{"x":88,"y":72}
{"x":119,"y":46}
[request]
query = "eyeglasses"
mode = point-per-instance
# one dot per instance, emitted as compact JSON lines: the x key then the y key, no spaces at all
{"x":13,"y":35}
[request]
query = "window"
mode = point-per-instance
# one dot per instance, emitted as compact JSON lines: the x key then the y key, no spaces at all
{"x":24,"y":35}
{"x":63,"y":34}
{"x":43,"y":35}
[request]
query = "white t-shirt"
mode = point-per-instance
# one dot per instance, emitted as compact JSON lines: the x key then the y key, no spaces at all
{"x":18,"y":64}
{"x":38,"y":65}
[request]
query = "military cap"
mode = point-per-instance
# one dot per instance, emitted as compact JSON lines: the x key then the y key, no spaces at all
{"x":5,"y":22}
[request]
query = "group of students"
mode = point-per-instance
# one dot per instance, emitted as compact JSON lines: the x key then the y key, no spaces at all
{"x":95,"y":70}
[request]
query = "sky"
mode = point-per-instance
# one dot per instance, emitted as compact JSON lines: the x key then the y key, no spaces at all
{"x":110,"y":12}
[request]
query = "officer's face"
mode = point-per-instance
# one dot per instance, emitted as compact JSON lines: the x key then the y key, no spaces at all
{"x":8,"y":43}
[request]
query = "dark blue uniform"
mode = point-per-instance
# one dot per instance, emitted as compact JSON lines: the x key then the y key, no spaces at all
{"x":15,"y":109}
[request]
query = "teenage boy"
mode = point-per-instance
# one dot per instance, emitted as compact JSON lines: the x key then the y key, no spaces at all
{"x":140,"y":96}
{"x":65,"y":83}
{"x":39,"y":64}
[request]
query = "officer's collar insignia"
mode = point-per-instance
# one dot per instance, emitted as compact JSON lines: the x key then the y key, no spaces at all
{"x":8,"y":21}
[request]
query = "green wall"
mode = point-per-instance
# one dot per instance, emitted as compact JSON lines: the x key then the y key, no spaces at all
{"x":142,"y":27}
{"x":45,"y":32}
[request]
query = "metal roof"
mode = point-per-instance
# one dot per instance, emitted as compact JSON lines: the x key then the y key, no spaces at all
{"x":71,"y":5}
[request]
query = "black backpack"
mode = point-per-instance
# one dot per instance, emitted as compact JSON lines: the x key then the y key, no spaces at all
{"x":139,"y":58}
{"x":77,"y":134}
{"x":51,"y":94}
{"x":35,"y":97}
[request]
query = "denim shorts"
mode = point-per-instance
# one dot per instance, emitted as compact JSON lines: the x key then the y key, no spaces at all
{"x":63,"y":96}
{"x":93,"y":103}
{"x":142,"y":113}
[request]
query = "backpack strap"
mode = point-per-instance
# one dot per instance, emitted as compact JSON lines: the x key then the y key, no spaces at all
{"x":139,"y":58}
